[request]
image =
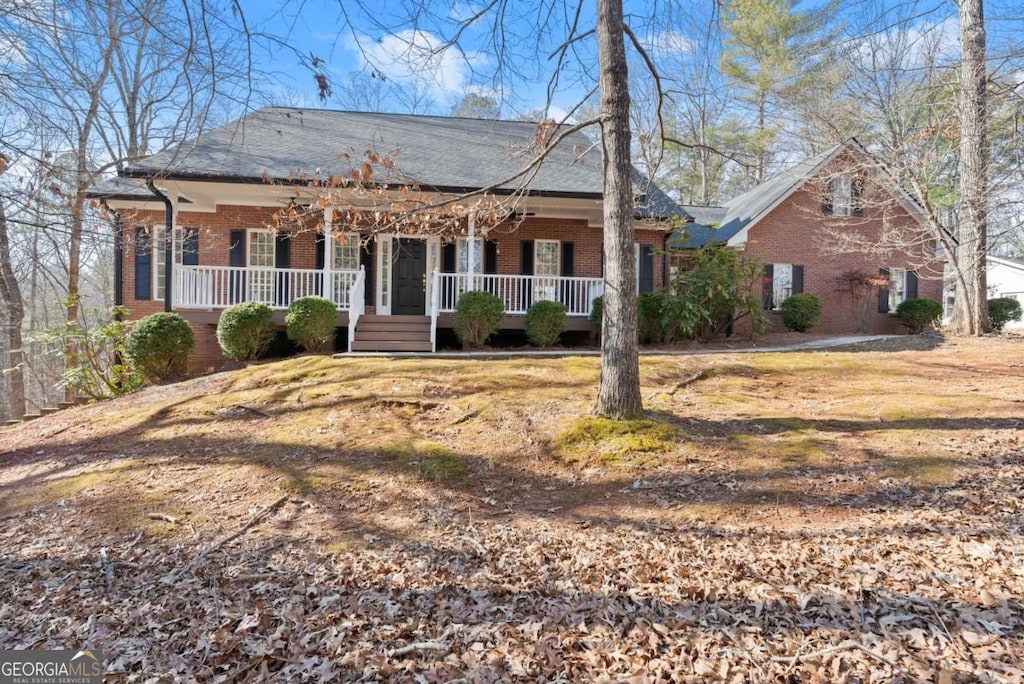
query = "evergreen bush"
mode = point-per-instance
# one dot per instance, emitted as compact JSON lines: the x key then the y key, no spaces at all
{"x":545,"y":322}
{"x":245,"y":330}
{"x":1002,"y":310}
{"x":159,"y":344}
{"x":311,"y":323}
{"x":801,"y":312}
{"x":917,"y":314}
{"x":477,"y":316}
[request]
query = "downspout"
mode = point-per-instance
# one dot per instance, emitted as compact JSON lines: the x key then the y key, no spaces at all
{"x":118,"y":256}
{"x":168,"y":242}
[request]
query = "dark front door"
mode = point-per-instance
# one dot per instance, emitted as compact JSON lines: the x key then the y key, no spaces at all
{"x":410,"y":279}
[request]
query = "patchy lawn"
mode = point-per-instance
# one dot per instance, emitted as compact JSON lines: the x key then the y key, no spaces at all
{"x":848,"y":515}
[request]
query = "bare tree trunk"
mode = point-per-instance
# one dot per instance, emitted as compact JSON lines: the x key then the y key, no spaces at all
{"x":618,"y":394}
{"x":971,"y":311}
{"x":12,"y":312}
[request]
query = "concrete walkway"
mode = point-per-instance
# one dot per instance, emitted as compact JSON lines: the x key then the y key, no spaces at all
{"x":826,"y":343}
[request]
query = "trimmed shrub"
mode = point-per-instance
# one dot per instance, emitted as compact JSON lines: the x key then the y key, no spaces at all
{"x":650,"y":317}
{"x":1002,"y":310}
{"x":597,"y":316}
{"x":245,"y":330}
{"x":477,"y":316}
{"x":311,"y":322}
{"x":545,"y":322}
{"x":801,"y":312}
{"x":916,"y":314}
{"x":158,"y":345}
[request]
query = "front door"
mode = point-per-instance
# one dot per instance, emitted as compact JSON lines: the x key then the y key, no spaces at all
{"x":409,"y":283}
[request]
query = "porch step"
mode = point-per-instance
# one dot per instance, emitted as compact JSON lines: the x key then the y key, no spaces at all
{"x":392,"y":333}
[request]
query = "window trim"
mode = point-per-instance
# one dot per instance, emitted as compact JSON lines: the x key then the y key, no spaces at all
{"x":159,"y":265}
{"x":777,"y":300}
{"x":897,"y":296}
{"x":462,"y":248}
{"x":338,"y":245}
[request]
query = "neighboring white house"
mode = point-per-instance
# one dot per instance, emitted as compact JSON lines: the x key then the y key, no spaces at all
{"x":1006,"y":279}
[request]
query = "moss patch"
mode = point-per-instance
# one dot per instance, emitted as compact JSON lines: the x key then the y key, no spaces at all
{"x":429,"y":461}
{"x":613,"y":442}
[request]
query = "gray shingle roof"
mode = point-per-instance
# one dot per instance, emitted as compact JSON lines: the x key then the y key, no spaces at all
{"x":737,"y":213}
{"x":442,"y":153}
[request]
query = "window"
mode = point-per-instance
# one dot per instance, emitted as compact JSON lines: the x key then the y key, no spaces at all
{"x":260,"y":260}
{"x":781,"y":281}
{"x":897,"y":287}
{"x":901,"y":285}
{"x":346,"y":252}
{"x":546,"y":262}
{"x":844,"y":196}
{"x":159,"y":260}
{"x":463,"y":247}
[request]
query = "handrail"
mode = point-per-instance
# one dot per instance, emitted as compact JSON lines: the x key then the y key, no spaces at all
{"x":357,"y":304}
{"x":518,"y":292}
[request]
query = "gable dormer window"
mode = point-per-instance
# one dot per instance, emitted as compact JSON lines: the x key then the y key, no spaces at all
{"x":844,"y":196}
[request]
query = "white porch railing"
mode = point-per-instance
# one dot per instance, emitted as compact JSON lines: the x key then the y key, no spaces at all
{"x":218,"y":287}
{"x":357,"y":303}
{"x":518,"y":292}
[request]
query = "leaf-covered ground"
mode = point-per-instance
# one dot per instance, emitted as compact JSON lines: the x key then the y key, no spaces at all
{"x":835,"y":516}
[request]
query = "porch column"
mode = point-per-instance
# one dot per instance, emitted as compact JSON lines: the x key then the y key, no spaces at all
{"x":470,"y":261}
{"x":328,"y":287}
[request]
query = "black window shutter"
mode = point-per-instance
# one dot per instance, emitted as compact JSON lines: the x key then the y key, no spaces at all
{"x":602,"y":261}
{"x":883,"y":292}
{"x":189,"y":246}
{"x":567,"y":259}
{"x":798,"y":279}
{"x":448,"y":258}
{"x":366,"y":261}
{"x":767,"y":286}
{"x":143,"y":263}
{"x":646,"y":268}
{"x":490,"y":256}
{"x":282,"y":259}
{"x":321,"y":251}
{"x":236,"y":258}
{"x":857,"y":196}
{"x":526,"y":248}
{"x":236,"y":251}
{"x":911,"y":291}
{"x":826,"y":198}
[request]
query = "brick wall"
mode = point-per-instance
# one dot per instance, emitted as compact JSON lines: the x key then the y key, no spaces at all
{"x":796,"y":233}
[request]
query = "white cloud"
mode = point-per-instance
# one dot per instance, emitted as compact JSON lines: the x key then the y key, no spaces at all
{"x":668,"y":43}
{"x":419,"y":58}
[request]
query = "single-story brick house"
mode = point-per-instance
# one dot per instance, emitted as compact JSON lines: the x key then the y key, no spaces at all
{"x":823,"y":227}
{"x":223,"y":196}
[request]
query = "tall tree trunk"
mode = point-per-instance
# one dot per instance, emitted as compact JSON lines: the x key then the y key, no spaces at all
{"x":971,"y":310}
{"x":12,"y":312}
{"x":618,"y":394}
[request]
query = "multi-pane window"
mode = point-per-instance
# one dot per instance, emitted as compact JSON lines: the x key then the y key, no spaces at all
{"x":546,"y":262}
{"x":261,"y":258}
{"x":782,"y":284}
{"x":159,"y":260}
{"x":844,"y":196}
{"x":897,"y":287}
{"x":346,"y":252}
{"x":465,"y":247}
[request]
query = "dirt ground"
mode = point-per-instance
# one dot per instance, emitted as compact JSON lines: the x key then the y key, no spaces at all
{"x":847,"y":514}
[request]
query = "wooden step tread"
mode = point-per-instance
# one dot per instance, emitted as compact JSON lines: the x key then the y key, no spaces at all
{"x":393,"y":335}
{"x":396,"y":319}
{"x":392,"y":345}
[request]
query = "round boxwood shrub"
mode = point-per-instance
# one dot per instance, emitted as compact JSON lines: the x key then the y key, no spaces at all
{"x":596,"y":316}
{"x":158,"y":345}
{"x":311,"y":322}
{"x":801,"y":312}
{"x":916,"y":314}
{"x":545,"y":322}
{"x":1002,"y":310}
{"x":477,"y":316}
{"x":245,"y":330}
